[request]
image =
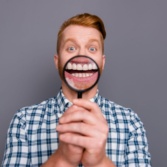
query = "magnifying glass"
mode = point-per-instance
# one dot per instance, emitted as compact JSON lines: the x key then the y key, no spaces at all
{"x":81,"y":73}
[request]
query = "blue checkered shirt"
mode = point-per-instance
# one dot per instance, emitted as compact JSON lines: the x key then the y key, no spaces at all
{"x":32,"y":136}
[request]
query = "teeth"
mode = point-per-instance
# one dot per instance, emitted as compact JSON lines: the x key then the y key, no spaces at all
{"x":82,"y":75}
{"x":85,"y":67}
{"x":74,"y":66}
{"x":94,"y":67}
{"x":90,"y":66}
{"x":90,"y":74}
{"x":87,"y":74}
{"x":79,"y":67}
{"x":69,"y":66}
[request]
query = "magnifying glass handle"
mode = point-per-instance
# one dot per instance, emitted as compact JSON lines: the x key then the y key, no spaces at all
{"x":79,"y":95}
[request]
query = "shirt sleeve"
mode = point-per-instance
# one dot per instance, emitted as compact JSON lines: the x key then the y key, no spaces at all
{"x":16,"y":152}
{"x":137,"y":154}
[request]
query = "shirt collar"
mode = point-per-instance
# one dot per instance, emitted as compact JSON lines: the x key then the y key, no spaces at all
{"x":63,"y":103}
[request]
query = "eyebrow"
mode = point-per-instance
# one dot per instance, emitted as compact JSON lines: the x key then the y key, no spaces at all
{"x":75,"y":42}
{"x":93,"y":40}
{"x":69,"y":40}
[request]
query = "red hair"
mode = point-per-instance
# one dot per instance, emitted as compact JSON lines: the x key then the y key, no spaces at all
{"x":87,"y":20}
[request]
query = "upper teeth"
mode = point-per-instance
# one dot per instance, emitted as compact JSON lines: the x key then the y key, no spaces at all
{"x":84,"y":67}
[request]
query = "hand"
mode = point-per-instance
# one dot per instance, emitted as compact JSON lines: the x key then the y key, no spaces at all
{"x":85,"y":127}
{"x":71,"y":154}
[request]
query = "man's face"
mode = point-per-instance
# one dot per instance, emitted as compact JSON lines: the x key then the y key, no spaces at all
{"x":80,"y":40}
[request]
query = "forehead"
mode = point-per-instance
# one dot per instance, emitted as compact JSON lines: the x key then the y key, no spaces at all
{"x":81,"y":33}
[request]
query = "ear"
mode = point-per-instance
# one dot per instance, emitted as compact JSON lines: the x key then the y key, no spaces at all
{"x":56,"y":59}
{"x":104,"y":60}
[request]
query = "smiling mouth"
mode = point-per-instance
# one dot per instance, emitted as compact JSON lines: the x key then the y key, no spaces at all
{"x":81,"y":75}
{"x":81,"y":70}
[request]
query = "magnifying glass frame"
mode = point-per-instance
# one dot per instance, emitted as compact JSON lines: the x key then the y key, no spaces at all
{"x":84,"y":90}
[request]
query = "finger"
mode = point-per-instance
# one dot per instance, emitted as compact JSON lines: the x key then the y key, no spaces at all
{"x":88,"y":105}
{"x":82,"y":141}
{"x":73,"y":139}
{"x":78,"y":116}
{"x":84,"y":103}
{"x":72,"y":109}
{"x":72,"y":148}
{"x":80,"y":128}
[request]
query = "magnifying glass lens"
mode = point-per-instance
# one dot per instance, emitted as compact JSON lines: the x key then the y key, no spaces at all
{"x":81,"y":73}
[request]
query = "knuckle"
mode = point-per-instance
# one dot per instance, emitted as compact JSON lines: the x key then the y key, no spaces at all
{"x":81,"y":127}
{"x":99,"y":144}
{"x":106,"y":129}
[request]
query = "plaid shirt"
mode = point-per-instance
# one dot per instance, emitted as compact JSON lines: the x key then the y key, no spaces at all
{"x":32,"y":136}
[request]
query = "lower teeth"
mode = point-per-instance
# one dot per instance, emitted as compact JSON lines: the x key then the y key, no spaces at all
{"x":82,"y":75}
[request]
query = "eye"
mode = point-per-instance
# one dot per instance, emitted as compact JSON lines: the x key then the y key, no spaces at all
{"x":71,"y":48}
{"x":92,"y":49}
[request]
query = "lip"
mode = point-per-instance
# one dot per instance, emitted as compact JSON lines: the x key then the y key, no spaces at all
{"x":93,"y":76}
{"x":81,"y":83}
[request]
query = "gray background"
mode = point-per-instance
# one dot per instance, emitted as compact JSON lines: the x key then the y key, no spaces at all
{"x":135,"y":48}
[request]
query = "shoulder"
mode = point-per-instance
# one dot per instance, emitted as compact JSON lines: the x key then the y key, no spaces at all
{"x":34,"y":113}
{"x":119,"y":113}
{"x":113,"y":107}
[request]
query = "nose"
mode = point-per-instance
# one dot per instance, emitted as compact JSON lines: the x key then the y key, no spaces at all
{"x":82,"y":51}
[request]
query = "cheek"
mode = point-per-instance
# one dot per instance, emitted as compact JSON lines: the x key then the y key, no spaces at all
{"x":101,"y":65}
{"x":62,"y":61}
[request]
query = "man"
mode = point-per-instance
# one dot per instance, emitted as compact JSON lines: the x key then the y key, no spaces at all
{"x":68,"y":132}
